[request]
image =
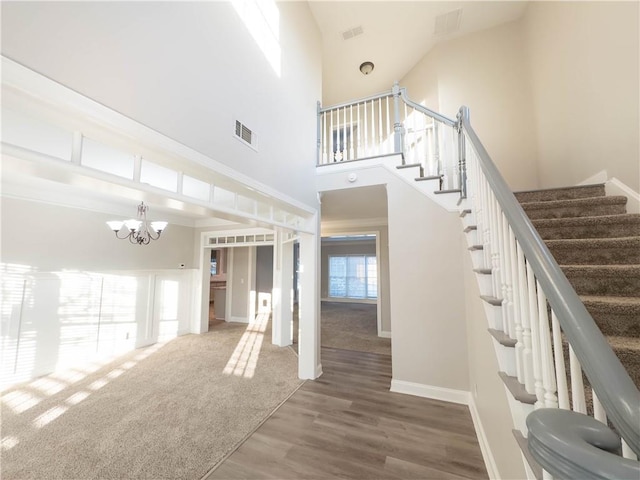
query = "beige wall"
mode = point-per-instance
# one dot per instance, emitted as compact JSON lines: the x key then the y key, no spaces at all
{"x":583,"y":66}
{"x":487,"y":72}
{"x":427,"y":299}
{"x":49,"y":237}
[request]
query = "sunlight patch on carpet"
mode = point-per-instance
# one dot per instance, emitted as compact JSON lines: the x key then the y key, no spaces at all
{"x":244,"y":359}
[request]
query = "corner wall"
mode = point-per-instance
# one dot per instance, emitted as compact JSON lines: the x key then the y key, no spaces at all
{"x":487,"y":72}
{"x":583,"y":68}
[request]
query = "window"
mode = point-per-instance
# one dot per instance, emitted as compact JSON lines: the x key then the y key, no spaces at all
{"x":353,"y":276}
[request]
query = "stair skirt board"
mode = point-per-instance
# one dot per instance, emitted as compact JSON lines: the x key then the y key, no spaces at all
{"x":429,"y":391}
{"x":485,"y":446}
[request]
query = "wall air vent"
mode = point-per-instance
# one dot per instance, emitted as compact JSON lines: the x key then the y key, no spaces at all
{"x":447,"y":22}
{"x":245,"y":134}
{"x":352,"y":32}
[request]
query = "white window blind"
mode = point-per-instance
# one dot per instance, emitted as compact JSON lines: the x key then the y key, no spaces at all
{"x":353,"y":276}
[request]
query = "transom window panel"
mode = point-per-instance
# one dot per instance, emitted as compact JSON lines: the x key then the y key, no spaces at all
{"x":353,"y":276}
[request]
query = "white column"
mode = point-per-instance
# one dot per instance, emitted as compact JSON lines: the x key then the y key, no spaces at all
{"x":282,"y":294}
{"x":309,"y":366}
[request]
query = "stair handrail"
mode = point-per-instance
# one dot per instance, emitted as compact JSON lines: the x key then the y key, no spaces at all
{"x":608,"y":377}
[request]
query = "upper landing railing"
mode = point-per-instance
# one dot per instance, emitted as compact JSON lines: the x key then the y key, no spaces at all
{"x":390,"y":123}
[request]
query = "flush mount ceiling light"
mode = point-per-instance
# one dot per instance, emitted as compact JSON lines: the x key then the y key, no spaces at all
{"x":138,"y":230}
{"x":366,"y":68}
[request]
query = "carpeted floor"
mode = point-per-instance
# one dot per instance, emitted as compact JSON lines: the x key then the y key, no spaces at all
{"x":349,"y":326}
{"x":167,"y":411}
{"x":352,"y":326}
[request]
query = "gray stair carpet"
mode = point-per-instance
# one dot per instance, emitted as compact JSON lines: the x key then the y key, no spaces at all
{"x":597,"y":245}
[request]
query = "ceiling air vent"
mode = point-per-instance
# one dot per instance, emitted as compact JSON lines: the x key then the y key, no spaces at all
{"x":447,"y":22}
{"x":245,"y":134}
{"x":352,"y":32}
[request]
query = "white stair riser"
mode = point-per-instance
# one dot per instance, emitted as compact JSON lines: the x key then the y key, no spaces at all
{"x":484,"y":284}
{"x":506,"y":357}
{"x":477,"y":258}
{"x":409,"y":173}
{"x":494,"y":316}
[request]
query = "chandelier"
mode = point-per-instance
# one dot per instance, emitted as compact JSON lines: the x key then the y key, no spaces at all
{"x":138,"y":230}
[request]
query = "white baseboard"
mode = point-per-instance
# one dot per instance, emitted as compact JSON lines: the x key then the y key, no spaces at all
{"x":384,"y":334}
{"x":238,"y":319}
{"x":430,"y":391}
{"x":485,"y":448}
{"x":319,"y":371}
{"x":613,"y":186}
{"x":600,"y":177}
{"x":348,"y":300}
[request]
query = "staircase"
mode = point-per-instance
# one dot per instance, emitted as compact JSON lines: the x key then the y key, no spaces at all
{"x":597,"y":245}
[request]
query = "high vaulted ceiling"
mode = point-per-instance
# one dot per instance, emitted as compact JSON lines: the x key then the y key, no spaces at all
{"x":395,"y":35}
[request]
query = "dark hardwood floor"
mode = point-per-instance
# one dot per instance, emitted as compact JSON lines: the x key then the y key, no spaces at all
{"x":347,"y":424}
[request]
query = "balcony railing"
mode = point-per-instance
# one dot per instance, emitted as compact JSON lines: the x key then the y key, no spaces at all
{"x":390,"y":123}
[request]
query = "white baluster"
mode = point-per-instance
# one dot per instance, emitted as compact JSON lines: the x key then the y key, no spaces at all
{"x":577,"y":386}
{"x":323,"y":138}
{"x":344,"y":134}
{"x":360,"y":149}
{"x":366,"y":133}
{"x":497,"y":248}
{"x":598,"y":410}
{"x":351,"y":134}
{"x":547,"y":362}
{"x":536,"y":350}
{"x":527,"y":353}
{"x":627,"y":452}
{"x":389,"y":148}
{"x":558,"y":354}
{"x":333,"y":157}
{"x":508,"y":257}
{"x":380,"y":134}
{"x":374,"y":144}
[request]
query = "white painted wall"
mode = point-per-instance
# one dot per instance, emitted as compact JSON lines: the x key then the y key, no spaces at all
{"x":48,"y":237}
{"x":583,"y":68}
{"x":187,"y":70}
{"x":486,"y":71}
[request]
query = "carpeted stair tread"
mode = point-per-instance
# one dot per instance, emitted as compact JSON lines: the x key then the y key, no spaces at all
{"x":579,"y":207}
{"x":628,"y":351}
{"x":598,"y":251}
{"x":607,"y":280}
{"x":597,"y":244}
{"x":615,"y":316}
{"x":604,"y":226}
{"x":562,"y":193}
{"x":630,"y":305}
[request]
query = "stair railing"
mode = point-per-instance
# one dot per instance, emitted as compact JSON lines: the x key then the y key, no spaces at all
{"x":552,"y":327}
{"x":390,"y":123}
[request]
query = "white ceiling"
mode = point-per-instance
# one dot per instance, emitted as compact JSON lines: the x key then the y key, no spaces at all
{"x":396,"y":35}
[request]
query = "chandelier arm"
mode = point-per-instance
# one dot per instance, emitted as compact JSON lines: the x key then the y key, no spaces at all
{"x":128,"y":235}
